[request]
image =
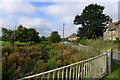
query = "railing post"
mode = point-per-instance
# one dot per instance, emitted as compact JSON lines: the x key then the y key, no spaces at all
{"x":110,"y":60}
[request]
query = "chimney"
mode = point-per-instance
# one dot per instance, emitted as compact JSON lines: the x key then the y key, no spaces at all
{"x":110,"y":20}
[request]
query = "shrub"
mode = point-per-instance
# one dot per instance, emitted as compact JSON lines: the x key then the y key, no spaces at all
{"x":51,"y":64}
{"x":22,"y":61}
{"x":8,"y":49}
{"x":82,"y":42}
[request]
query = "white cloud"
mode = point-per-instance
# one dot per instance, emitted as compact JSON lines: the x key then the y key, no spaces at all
{"x":18,"y":8}
{"x":66,"y":12}
{"x":42,"y":25}
{"x":11,"y":1}
{"x":0,"y":22}
{"x":112,"y":10}
{"x":119,"y":10}
{"x":66,"y":0}
{"x":63,"y":10}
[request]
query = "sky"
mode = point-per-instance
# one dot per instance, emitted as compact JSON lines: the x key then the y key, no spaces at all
{"x":47,"y":16}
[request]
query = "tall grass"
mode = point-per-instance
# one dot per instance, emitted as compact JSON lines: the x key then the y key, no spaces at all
{"x":27,"y":60}
{"x":99,"y":44}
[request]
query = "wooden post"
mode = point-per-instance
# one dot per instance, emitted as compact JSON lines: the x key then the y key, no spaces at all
{"x":110,"y":61}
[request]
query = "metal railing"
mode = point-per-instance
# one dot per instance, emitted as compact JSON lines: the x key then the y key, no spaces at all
{"x":91,"y":68}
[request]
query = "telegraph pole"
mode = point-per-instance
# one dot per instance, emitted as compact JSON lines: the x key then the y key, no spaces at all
{"x":63,"y":31}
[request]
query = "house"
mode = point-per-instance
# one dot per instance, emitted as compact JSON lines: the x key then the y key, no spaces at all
{"x":112,"y":31}
{"x":72,"y":37}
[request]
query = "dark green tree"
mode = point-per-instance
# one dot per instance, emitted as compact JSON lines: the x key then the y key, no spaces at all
{"x":49,"y":39}
{"x":93,"y":21}
{"x":8,"y":35}
{"x":55,"y":37}
{"x":22,"y":34}
{"x":5,"y":34}
{"x":43,"y":38}
{"x":33,"y":35}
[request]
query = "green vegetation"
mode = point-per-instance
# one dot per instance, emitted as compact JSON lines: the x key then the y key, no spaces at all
{"x":15,"y":43}
{"x":100,"y":44}
{"x":115,"y":72}
{"x":54,"y":37}
{"x":27,"y":35}
{"x":23,"y":61}
{"x":22,"y":34}
{"x":4,"y":43}
{"x":93,"y":22}
{"x":27,"y":60}
{"x":24,"y":53}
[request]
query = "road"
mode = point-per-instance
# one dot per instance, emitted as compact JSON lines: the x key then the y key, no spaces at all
{"x":79,"y":47}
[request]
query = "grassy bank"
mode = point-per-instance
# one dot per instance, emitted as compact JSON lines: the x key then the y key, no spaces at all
{"x":27,"y":60}
{"x":100,"y":45}
{"x":16,"y":43}
{"x":115,"y":73}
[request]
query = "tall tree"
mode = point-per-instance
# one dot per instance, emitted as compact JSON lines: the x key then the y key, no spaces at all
{"x":55,"y":37}
{"x":21,"y":34}
{"x":27,"y":34}
{"x":93,"y":21}
{"x":43,"y":38}
{"x":33,"y":35}
{"x":8,"y":35}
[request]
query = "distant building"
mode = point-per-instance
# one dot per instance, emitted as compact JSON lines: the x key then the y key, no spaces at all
{"x":72,"y":37}
{"x":112,"y":31}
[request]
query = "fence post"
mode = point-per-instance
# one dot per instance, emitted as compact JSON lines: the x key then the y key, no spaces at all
{"x":110,"y":60}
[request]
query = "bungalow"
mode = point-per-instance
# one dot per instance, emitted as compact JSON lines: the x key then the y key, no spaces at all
{"x":112,"y":31}
{"x":72,"y":37}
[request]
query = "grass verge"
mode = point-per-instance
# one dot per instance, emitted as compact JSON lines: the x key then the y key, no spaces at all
{"x":115,"y":73}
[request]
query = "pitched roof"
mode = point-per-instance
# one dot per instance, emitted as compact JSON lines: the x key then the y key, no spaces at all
{"x":113,"y":26}
{"x":73,"y":35}
{"x":117,"y":22}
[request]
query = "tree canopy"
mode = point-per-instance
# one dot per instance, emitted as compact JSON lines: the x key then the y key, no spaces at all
{"x":43,"y":38}
{"x":21,"y":34}
{"x":93,"y":21}
{"x":54,"y":37}
{"x":8,"y":35}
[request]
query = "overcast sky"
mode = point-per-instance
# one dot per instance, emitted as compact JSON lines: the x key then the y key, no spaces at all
{"x":49,"y":16}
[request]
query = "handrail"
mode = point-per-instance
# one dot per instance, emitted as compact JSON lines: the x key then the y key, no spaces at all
{"x":50,"y":71}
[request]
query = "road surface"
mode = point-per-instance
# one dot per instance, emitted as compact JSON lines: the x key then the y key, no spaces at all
{"x":79,"y":47}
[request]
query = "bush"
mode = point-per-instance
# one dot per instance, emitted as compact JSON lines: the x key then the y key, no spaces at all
{"x":82,"y":42}
{"x":18,"y":62}
{"x":8,"y":49}
{"x":51,"y":64}
{"x":28,"y":60}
